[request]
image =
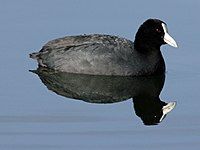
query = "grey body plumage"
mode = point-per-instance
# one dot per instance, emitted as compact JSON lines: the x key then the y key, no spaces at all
{"x":99,"y":54}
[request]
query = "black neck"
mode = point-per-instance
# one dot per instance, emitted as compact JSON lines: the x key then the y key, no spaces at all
{"x":143,"y":46}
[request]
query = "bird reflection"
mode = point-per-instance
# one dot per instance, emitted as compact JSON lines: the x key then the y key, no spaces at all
{"x":144,"y":91}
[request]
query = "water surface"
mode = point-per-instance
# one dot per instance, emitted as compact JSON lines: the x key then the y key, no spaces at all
{"x":32,"y":117}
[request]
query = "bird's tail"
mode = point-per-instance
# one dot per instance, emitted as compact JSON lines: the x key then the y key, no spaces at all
{"x":34,"y":55}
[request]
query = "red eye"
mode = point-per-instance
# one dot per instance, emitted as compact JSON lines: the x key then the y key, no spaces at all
{"x":158,"y":30}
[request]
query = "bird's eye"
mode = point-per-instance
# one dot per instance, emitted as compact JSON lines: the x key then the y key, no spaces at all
{"x":158,"y":30}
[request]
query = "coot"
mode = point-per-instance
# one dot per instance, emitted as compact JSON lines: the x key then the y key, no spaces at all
{"x":99,"y":54}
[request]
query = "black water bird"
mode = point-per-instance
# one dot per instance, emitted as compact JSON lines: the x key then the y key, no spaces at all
{"x":98,"y":54}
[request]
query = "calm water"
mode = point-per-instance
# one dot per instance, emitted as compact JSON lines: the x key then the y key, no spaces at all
{"x":32,"y":117}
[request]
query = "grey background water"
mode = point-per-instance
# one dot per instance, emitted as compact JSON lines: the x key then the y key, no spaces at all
{"x":31,"y":117}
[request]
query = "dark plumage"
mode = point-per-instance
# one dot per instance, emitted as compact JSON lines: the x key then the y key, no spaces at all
{"x":109,"y":55}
